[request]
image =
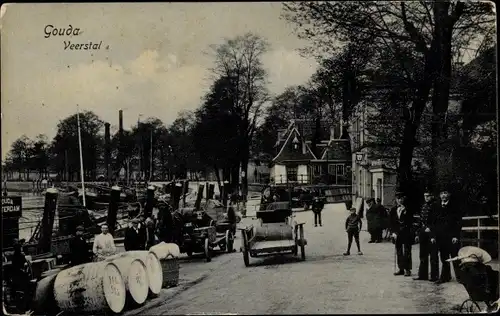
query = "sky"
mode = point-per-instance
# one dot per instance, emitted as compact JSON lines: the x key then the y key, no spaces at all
{"x":154,"y":59}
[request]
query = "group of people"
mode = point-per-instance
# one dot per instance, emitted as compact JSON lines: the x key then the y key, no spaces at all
{"x":439,"y":230}
{"x":436,"y":226}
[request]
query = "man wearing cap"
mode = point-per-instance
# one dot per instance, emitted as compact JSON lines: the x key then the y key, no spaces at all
{"x":426,"y":232}
{"x":133,"y":237}
{"x":80,"y":251}
{"x":104,"y":244}
{"x":401,"y":221}
{"x":448,"y":228}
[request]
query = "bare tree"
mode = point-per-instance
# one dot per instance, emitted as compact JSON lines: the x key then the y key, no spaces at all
{"x":239,"y":60}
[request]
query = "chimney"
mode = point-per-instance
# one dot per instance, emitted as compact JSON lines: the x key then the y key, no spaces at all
{"x":120,"y":121}
{"x":107,"y":150}
{"x":332,"y":132}
{"x":304,"y":149}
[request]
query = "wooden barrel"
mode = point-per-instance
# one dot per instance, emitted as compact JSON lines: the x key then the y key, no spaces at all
{"x":90,"y":288}
{"x":163,"y":250}
{"x":134,"y":276}
{"x":274,"y":231}
{"x":44,"y":301}
{"x":170,"y":270}
{"x":153,"y":268}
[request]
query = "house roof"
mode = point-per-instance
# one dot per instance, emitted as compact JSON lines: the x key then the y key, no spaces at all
{"x":289,"y":153}
{"x":338,"y":149}
{"x":307,"y":128}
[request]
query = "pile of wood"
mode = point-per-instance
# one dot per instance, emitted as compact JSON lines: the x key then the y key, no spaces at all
{"x":123,"y":280}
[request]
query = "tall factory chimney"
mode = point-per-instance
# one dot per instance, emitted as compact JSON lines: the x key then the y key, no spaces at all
{"x":120,"y":119}
{"x":107,"y":150}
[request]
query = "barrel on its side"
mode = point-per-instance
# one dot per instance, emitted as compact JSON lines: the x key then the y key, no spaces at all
{"x":91,"y":287}
{"x":153,"y":268}
{"x":168,"y":254}
{"x":44,"y":301}
{"x":134,"y":276}
{"x":274,"y":231}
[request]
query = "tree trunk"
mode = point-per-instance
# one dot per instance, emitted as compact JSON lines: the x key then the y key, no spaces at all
{"x":440,"y":100}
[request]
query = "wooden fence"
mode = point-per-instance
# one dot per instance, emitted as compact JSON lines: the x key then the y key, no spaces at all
{"x":476,"y":232}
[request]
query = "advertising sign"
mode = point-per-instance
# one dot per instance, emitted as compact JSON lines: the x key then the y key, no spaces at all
{"x":11,"y":206}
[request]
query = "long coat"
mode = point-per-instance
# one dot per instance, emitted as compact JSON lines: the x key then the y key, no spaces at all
{"x":80,"y":251}
{"x":375,"y":216}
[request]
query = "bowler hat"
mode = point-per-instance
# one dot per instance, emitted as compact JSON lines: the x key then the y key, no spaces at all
{"x":400,"y":194}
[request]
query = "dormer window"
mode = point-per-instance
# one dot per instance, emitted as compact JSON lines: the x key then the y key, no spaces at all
{"x":295,"y":143}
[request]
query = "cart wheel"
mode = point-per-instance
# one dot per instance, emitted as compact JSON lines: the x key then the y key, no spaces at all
{"x":302,"y":252}
{"x":469,"y":307}
{"x":246,"y":258}
{"x":207,"y":251}
{"x":229,"y":241}
{"x":302,"y":243}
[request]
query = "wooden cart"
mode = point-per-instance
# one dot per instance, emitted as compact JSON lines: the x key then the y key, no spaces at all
{"x":276,"y":233}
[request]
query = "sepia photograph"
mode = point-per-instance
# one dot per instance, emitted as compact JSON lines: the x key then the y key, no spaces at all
{"x":249,"y":158}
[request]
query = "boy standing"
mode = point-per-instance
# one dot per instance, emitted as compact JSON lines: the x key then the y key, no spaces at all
{"x":353,"y":225}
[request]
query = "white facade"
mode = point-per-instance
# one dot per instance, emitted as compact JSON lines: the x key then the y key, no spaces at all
{"x":279,"y":174}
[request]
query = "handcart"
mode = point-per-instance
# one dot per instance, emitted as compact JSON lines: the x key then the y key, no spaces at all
{"x":276,"y":233}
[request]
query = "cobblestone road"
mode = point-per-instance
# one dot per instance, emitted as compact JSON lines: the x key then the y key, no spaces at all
{"x":327,"y":282}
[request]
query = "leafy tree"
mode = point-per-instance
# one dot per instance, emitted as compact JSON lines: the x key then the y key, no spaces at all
{"x":181,"y":143}
{"x":426,"y":30}
{"x":65,"y":147}
{"x":215,"y":133}
{"x":39,"y":155}
{"x":19,"y":154}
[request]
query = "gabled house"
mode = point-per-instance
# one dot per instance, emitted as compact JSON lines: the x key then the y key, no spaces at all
{"x":311,"y":152}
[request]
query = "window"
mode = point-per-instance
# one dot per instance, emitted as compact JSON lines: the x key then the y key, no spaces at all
{"x":317,"y":170}
{"x":291,"y":173}
{"x":340,"y":170}
{"x":331,"y":169}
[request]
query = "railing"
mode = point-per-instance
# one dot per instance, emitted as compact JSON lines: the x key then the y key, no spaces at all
{"x":478,"y":226}
{"x":310,"y":179}
{"x":300,"y":178}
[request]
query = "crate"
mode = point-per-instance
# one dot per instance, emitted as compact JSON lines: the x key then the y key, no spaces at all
{"x":170,"y":267}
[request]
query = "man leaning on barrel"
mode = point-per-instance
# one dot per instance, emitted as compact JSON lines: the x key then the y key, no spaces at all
{"x":104,"y":244}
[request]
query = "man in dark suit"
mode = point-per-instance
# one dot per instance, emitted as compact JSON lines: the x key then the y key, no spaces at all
{"x":448,"y":227}
{"x":80,"y":250}
{"x":142,"y":231}
{"x":401,"y":221}
{"x":317,"y":208}
{"x":426,"y":232}
{"x":133,"y":237}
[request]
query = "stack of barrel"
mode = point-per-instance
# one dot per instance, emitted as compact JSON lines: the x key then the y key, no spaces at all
{"x":125,"y":279}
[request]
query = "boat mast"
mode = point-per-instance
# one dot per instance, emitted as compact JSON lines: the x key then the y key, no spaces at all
{"x":151,"y":154}
{"x":81,"y":155}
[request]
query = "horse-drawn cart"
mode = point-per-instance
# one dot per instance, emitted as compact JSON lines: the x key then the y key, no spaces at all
{"x":276,"y":233}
